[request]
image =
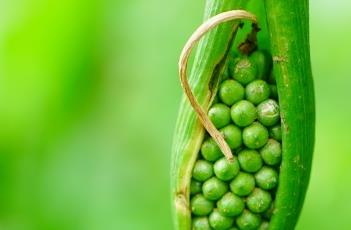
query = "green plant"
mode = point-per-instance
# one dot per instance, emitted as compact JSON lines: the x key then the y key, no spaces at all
{"x":278,"y":104}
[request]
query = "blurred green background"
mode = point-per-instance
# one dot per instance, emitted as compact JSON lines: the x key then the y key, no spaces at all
{"x":89,"y":94}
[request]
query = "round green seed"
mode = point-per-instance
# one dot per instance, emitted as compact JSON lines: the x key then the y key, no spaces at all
{"x":214,"y":189}
{"x":272,"y":152}
{"x":255,"y":136}
{"x":210,"y":150}
{"x":257,"y":91}
{"x":274,"y":91}
{"x":250,"y":160}
{"x":263,"y":61}
{"x":220,"y":222}
{"x":195,"y":187}
{"x":275,"y":132}
{"x":232,"y":135}
{"x":243,"y":184}
{"x":267,"y":178}
{"x":203,"y":170}
{"x":264,"y":226}
{"x":269,"y":212}
{"x":231,"y":91}
{"x":259,"y":200}
{"x":233,"y":228}
{"x":245,"y":71}
{"x":248,"y":221}
{"x":243,"y":113}
{"x":200,"y":206}
{"x":201,"y":223}
{"x":230,"y":205}
{"x":226,"y":170}
{"x":268,"y":112}
{"x":219,"y":114}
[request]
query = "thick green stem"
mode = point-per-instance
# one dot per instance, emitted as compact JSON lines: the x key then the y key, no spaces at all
{"x":289,"y":36}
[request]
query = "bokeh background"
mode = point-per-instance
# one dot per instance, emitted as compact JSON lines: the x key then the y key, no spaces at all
{"x":89,"y":94}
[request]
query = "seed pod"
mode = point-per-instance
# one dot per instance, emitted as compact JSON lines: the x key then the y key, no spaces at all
{"x":267,"y":171}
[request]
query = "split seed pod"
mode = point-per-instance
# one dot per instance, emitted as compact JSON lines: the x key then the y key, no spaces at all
{"x":288,"y":44}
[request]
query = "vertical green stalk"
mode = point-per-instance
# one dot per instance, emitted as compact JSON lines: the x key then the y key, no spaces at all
{"x":289,"y":37}
{"x":189,"y":131}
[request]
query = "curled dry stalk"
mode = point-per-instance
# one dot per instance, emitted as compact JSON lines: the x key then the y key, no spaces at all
{"x":183,"y":62}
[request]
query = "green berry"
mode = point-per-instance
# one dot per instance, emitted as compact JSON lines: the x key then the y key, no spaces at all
{"x":257,"y":91}
{"x":200,"y":206}
{"x":269,"y":212}
{"x":214,"y":189}
{"x":263,"y":61}
{"x":232,"y":135}
{"x":210,"y":150}
{"x":272,"y":152}
{"x":220,"y":222}
{"x":264,"y":226}
{"x":268,"y":112}
{"x":219,"y":114}
{"x":231,"y":91}
{"x":226,"y":170}
{"x":259,"y":200}
{"x":255,"y":136}
{"x":203,"y":170}
{"x":274,"y":91}
{"x":233,"y":228}
{"x":243,"y":113}
{"x":243,"y":184}
{"x":250,"y":160}
{"x":248,"y":221}
{"x":195,"y":187}
{"x":245,"y":71}
{"x":201,"y":223}
{"x":275,"y":132}
{"x":267,"y":178}
{"x":230,"y":205}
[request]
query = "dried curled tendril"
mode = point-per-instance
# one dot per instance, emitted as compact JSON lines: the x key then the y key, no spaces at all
{"x":183,"y":62}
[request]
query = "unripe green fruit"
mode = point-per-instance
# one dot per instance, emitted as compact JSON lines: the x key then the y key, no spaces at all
{"x":243,"y":184}
{"x":268,"y":112}
{"x":214,"y":189}
{"x":248,"y":221}
{"x":250,"y":160}
{"x":219,"y":114}
{"x":210,"y":150}
{"x":275,"y":132}
{"x":243,"y":113}
{"x":264,"y":226}
{"x":203,"y":170}
{"x":230,"y":205}
{"x":231,"y":91}
{"x":220,"y":222}
{"x":226,"y":170}
{"x":232,"y":135}
{"x":259,"y":200}
{"x":195,"y":187}
{"x":267,"y":178}
{"x":201,"y":223}
{"x":200,"y":206}
{"x":255,"y":136}
{"x":245,"y":71}
{"x":263,"y":61}
{"x":271,"y":152}
{"x":257,"y":91}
